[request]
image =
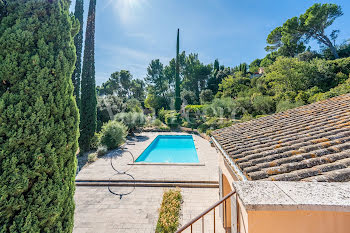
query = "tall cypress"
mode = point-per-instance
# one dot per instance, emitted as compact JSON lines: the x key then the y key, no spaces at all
{"x":177,"y":75}
{"x":78,"y":42}
{"x":88,"y":113}
{"x":38,"y":117}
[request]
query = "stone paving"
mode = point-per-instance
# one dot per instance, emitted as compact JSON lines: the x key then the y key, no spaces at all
{"x":97,"y":210}
{"x":101,"y":169}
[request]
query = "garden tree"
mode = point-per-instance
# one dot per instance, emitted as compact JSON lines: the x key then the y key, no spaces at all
{"x":254,"y":66}
{"x":3,"y":11}
{"x":312,"y":24}
{"x":112,"y":86}
{"x":286,"y":40}
{"x":243,"y":68}
{"x":88,"y":113}
{"x":308,"y":55}
{"x":156,"y":102}
{"x":289,"y":75}
{"x":39,"y":117}
{"x":316,"y":20}
{"x":196,"y":75}
{"x":343,"y":51}
{"x":177,"y":75}
{"x":216,"y":65}
{"x":232,"y":86}
{"x":157,"y":97}
{"x":169,"y":70}
{"x":206,"y":96}
{"x":269,"y":59}
{"x":78,"y":42}
{"x":156,"y":79}
{"x":125,"y":83}
{"x":138,"y":89}
{"x":189,"y":97}
{"x":107,"y":107}
{"x":214,"y":79}
{"x":169,"y":73}
{"x":213,"y":83}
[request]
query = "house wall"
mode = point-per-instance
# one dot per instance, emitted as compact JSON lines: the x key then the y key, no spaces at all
{"x":301,"y":221}
{"x":226,"y":179}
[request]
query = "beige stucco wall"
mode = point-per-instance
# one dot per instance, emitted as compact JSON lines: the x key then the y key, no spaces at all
{"x":285,"y":221}
{"x":301,"y":221}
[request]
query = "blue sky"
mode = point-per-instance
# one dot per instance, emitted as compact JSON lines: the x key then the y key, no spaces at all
{"x":130,"y":33}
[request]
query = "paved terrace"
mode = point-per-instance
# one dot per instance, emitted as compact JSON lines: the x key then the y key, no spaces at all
{"x":97,"y":210}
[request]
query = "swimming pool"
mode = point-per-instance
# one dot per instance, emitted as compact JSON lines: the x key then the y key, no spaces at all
{"x":170,"y":149}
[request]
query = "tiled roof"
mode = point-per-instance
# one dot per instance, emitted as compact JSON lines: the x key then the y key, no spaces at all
{"x":309,"y":143}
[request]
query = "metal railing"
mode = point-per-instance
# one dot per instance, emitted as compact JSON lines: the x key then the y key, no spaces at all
{"x":201,"y":216}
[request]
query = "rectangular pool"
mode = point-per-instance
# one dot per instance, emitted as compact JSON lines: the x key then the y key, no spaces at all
{"x":170,"y":149}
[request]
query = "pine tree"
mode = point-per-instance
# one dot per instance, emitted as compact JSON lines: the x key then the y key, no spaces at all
{"x":78,"y":41}
{"x":177,"y":75}
{"x":38,"y":117}
{"x":88,"y":113}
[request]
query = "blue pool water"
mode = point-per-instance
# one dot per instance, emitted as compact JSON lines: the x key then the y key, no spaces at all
{"x":170,"y":149}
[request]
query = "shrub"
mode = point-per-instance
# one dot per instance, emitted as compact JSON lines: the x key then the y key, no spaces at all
{"x":132,"y":120}
{"x":164,"y":128}
{"x":246,"y":117}
{"x":223,"y":107}
{"x":213,"y":124}
{"x":38,"y":115}
{"x":194,"y":108}
{"x":169,"y":212}
{"x":107,"y":107}
{"x":338,"y":90}
{"x":157,"y":123}
{"x":194,"y":115}
{"x":133,"y":105}
{"x":94,"y":143}
{"x":101,"y":151}
{"x":263,"y":105}
{"x":113,"y":134}
{"x":173,"y":119}
{"x":206,"y":96}
{"x":92,"y":157}
{"x":286,"y":104}
{"x":188,"y":97}
{"x":161,"y":114}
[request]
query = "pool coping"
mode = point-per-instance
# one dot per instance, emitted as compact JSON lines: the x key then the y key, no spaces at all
{"x":168,"y":164}
{"x":171,"y":164}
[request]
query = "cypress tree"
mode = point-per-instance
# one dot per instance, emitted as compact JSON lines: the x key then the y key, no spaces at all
{"x":88,"y":112}
{"x":78,"y":42}
{"x":38,"y":117}
{"x":177,"y":75}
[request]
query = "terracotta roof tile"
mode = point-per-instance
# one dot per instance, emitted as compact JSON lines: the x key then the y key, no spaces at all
{"x":309,"y":143}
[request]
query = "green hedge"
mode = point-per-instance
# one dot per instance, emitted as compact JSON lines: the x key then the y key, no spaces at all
{"x":168,"y":220}
{"x":194,"y":108}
